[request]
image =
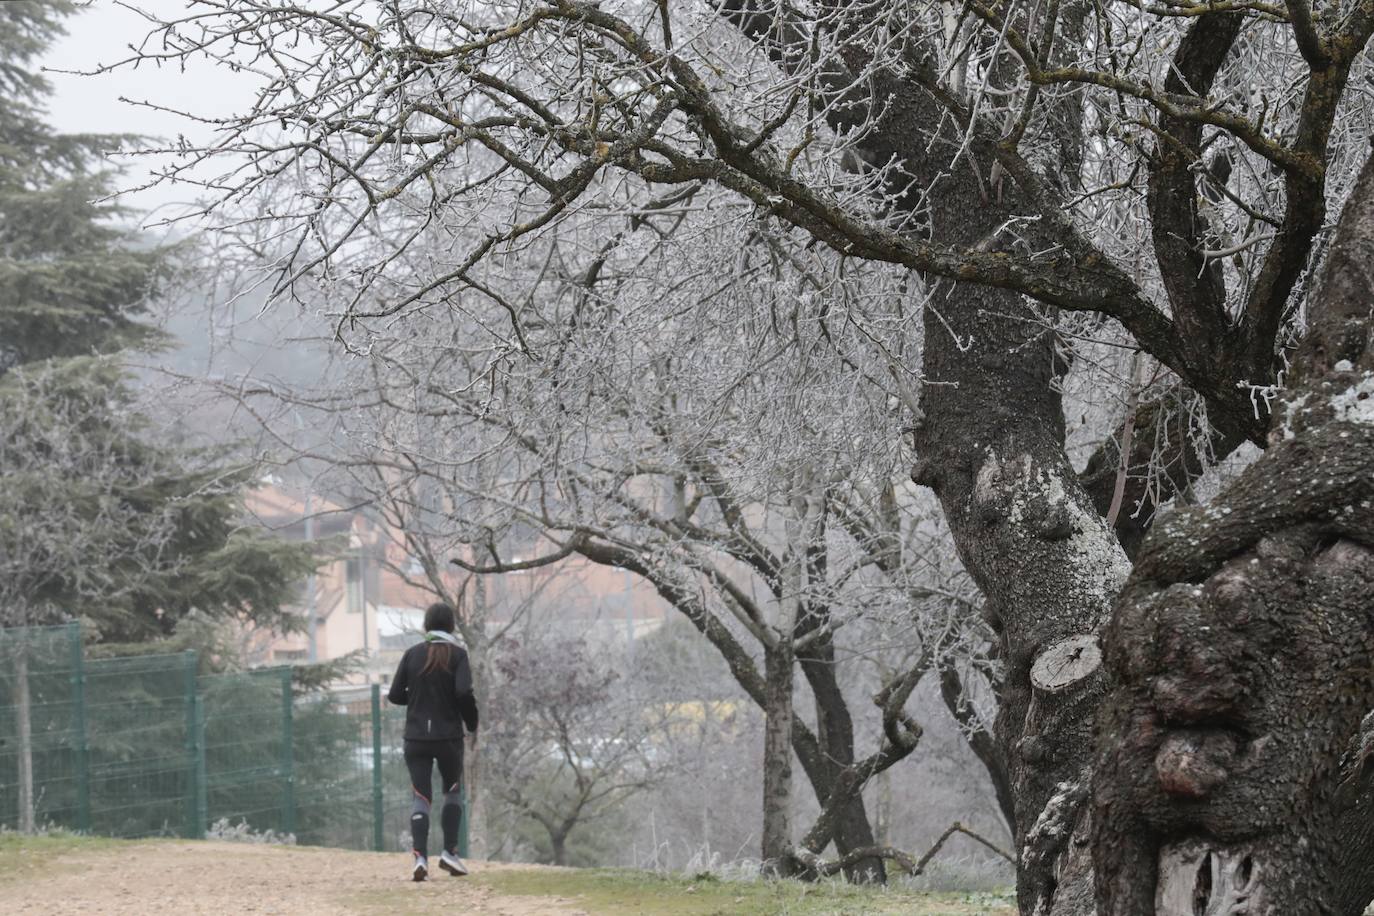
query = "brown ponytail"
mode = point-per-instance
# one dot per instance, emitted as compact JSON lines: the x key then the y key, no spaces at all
{"x":437,"y":655}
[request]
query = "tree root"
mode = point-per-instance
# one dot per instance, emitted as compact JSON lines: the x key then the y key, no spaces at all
{"x":910,"y":864}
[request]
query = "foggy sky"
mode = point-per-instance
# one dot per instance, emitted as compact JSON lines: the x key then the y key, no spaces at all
{"x":221,"y":339}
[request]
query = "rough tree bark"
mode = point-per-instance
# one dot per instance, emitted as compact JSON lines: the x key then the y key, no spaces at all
{"x":1234,"y":770}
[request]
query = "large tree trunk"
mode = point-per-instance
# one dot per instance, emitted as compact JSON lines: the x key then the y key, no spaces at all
{"x":1237,"y":753}
{"x":991,"y":445}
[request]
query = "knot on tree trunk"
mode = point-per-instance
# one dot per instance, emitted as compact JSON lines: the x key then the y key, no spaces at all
{"x":1016,"y":490}
{"x":1193,"y":762}
{"x":1225,"y":684}
{"x":1241,"y":652}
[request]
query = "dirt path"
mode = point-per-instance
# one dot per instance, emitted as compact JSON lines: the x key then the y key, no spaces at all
{"x":219,"y":878}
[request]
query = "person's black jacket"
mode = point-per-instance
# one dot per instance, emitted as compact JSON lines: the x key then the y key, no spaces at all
{"x":439,"y":701}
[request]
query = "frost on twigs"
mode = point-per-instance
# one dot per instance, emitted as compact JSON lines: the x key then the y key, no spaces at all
{"x":242,"y":832}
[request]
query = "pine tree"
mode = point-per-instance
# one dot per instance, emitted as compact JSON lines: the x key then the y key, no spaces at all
{"x":98,"y":519}
{"x":72,"y":281}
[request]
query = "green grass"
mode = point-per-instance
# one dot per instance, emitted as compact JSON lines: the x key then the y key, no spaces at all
{"x":20,"y":855}
{"x":615,"y":892}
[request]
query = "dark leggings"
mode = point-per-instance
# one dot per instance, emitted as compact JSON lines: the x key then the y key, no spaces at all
{"x":421,"y":756}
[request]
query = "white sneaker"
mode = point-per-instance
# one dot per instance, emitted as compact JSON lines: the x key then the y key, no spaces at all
{"x":450,"y":863}
{"x":421,"y":870}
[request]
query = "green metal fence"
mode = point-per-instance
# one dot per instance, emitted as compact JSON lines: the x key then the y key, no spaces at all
{"x":145,"y":746}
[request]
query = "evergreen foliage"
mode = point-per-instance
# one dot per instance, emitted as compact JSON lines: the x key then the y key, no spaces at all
{"x":72,"y":281}
{"x":98,"y":518}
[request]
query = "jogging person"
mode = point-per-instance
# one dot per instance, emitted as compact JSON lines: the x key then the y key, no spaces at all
{"x":434,"y":683}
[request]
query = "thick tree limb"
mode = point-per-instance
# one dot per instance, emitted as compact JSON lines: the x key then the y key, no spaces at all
{"x":1195,"y":284}
{"x":501,"y":566}
{"x":903,"y":733}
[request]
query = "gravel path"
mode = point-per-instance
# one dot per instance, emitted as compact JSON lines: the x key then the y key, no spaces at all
{"x":220,"y":878}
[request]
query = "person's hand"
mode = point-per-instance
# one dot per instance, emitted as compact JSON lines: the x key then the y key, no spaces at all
{"x":472,"y":740}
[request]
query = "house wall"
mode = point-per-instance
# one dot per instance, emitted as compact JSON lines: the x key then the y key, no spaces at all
{"x":364,"y":603}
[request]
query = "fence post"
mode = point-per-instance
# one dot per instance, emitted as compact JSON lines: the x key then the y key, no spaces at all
{"x":463,"y":824}
{"x":288,"y":757}
{"x":195,"y":753}
{"x":80,"y":742}
{"x":377,"y":843}
{"x":202,"y":778}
